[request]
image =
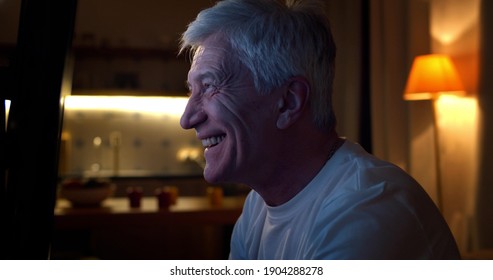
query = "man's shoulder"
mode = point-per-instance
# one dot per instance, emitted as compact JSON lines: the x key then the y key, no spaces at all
{"x":358,"y":170}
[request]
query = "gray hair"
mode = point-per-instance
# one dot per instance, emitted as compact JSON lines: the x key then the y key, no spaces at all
{"x":275,"y":41}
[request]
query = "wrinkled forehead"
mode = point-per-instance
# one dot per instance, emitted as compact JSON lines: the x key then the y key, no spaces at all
{"x":214,"y":47}
{"x":212,"y":56}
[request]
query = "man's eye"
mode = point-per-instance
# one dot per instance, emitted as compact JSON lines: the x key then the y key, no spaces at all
{"x":209,"y":88}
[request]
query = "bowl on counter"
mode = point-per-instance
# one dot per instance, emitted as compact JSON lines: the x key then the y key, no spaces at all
{"x":90,"y":193}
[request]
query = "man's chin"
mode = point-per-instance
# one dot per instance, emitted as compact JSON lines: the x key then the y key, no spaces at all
{"x":210,"y":176}
{"x":214,"y":176}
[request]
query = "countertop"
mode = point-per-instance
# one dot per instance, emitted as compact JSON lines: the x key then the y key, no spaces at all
{"x":116,"y":212}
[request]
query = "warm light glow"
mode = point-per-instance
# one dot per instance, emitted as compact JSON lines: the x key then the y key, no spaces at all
{"x":189,"y":153}
{"x":430,"y":76}
{"x":7,"y":110}
{"x":97,"y":141}
{"x":458,"y":121}
{"x":455,"y":110}
{"x":144,"y":104}
{"x":7,"y":107}
{"x":451,"y":19}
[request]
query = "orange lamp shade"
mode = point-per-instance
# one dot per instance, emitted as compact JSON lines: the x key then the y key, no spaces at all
{"x":430,"y":76}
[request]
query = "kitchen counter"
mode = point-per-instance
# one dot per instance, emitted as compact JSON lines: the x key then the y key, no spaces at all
{"x":190,"y":229}
{"x":116,"y":213}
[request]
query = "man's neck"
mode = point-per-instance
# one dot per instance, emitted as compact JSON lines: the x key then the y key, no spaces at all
{"x":298,"y":168}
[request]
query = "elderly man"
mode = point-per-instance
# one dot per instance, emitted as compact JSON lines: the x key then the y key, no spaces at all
{"x":261,"y":103}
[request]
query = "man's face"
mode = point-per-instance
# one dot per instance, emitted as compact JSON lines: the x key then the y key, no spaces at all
{"x":234,"y":122}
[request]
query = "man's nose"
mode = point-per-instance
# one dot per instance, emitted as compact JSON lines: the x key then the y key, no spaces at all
{"x":193,"y":114}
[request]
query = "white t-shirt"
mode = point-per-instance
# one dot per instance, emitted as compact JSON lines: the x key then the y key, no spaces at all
{"x":357,"y":207}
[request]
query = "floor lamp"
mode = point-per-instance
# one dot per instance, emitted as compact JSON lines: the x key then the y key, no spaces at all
{"x":431,"y":76}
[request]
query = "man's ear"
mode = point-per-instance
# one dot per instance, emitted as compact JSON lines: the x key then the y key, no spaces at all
{"x":293,"y":101}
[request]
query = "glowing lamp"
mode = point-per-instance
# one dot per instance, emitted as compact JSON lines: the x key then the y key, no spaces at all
{"x":430,"y":76}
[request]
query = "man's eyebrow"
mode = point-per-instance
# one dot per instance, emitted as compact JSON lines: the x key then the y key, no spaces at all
{"x":202,"y":76}
{"x":199,"y":78}
{"x":209,"y":74}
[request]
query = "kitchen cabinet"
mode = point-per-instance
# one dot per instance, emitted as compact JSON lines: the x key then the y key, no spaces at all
{"x":141,"y":70}
{"x":129,"y":68}
{"x":191,"y":229}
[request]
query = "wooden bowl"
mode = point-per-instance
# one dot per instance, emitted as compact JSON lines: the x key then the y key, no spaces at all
{"x":87,"y":195}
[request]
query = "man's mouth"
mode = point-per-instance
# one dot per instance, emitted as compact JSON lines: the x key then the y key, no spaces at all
{"x":212,"y":141}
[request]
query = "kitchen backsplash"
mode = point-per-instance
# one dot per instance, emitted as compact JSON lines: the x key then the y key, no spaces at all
{"x":127,"y":136}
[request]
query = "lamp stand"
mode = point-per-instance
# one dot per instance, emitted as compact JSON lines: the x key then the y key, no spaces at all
{"x":438,"y":172}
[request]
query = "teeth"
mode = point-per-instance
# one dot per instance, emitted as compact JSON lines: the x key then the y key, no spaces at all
{"x":212,"y":141}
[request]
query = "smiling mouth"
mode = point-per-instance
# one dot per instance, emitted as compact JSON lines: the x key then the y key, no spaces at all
{"x":212,"y":141}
